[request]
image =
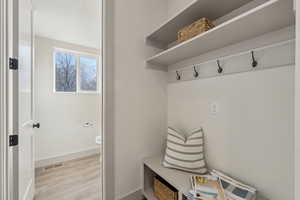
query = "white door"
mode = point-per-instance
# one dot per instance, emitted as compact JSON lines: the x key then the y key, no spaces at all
{"x":21,"y":160}
{"x":26,"y":139}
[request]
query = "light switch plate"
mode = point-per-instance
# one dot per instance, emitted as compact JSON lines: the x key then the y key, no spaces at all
{"x":214,"y":108}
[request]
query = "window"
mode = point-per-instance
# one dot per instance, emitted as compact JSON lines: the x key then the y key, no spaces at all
{"x":88,"y":74}
{"x":75,"y":72}
{"x":65,"y":72}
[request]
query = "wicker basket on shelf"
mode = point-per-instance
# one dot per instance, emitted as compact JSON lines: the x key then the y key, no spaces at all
{"x":164,"y":191}
{"x":194,"y":29}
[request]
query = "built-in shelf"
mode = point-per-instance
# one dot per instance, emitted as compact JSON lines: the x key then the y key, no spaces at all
{"x":267,"y":17}
{"x":211,"y":9}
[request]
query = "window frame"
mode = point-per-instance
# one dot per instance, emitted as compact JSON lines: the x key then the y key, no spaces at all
{"x":77,"y":55}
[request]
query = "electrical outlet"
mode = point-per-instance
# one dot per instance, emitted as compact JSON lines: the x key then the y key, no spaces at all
{"x":214,"y":108}
{"x":98,"y":140}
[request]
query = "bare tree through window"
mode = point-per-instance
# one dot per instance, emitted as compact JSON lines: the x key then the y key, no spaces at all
{"x":65,"y":72}
{"x":88,"y":74}
{"x":74,"y":70}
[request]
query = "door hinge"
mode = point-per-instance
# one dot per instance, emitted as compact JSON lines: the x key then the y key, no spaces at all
{"x":13,"y":63}
{"x":13,"y":140}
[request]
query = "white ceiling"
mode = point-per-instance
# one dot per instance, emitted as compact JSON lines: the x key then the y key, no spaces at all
{"x":73,"y":21}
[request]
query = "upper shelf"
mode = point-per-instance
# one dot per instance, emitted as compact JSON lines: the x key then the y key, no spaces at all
{"x":270,"y":16}
{"x":211,"y":9}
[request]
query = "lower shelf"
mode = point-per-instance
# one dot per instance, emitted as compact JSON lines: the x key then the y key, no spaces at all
{"x":149,"y":195}
{"x":178,"y":179}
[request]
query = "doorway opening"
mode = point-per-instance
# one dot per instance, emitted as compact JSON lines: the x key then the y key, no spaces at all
{"x":66,"y":101}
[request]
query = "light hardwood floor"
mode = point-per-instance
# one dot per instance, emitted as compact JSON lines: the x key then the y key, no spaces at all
{"x":74,"y":180}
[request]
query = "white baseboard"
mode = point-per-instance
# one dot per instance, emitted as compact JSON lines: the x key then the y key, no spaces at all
{"x":72,"y":156}
{"x":134,"y":195}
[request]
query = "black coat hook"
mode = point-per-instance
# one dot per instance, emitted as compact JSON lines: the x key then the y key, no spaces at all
{"x":220,"y":69}
{"x":196,"y":73}
{"x":254,"y":62}
{"x":178,"y":77}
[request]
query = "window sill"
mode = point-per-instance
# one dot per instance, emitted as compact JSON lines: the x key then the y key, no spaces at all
{"x":78,"y":93}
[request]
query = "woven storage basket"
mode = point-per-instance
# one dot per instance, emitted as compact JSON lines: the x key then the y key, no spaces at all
{"x":194,"y":29}
{"x":163,"y":191}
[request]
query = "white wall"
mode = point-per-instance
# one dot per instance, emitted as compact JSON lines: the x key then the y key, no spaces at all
{"x":174,"y":6}
{"x":140,"y":92}
{"x":251,"y":138}
{"x":62,"y":116}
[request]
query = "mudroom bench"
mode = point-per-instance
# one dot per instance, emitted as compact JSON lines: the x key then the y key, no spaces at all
{"x":177,"y":179}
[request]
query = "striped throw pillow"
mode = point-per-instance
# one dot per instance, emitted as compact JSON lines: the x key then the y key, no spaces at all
{"x":185,"y":154}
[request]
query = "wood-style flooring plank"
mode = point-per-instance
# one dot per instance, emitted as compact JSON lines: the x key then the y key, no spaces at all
{"x":75,"y":180}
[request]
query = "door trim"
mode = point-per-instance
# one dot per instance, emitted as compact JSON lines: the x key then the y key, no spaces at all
{"x":297,"y":105}
{"x":29,"y":193}
{"x":11,"y":90}
{"x":3,"y":127}
{"x":8,"y":23}
{"x":108,"y":99}
{"x":8,"y":98}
